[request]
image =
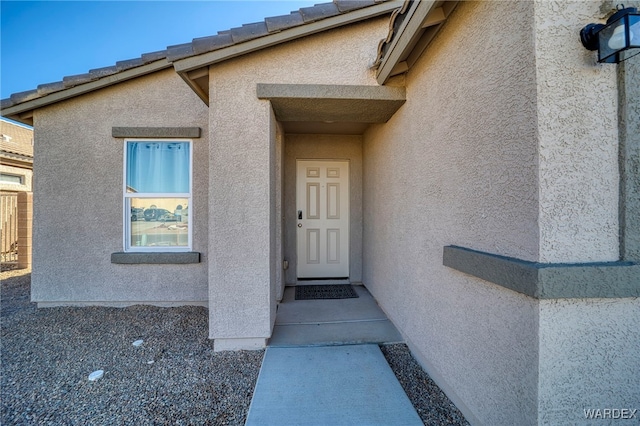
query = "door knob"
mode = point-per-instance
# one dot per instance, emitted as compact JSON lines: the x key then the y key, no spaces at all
{"x":299,"y":225}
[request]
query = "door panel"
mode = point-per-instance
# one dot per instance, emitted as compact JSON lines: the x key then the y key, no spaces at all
{"x":313,"y":201}
{"x":333,"y":201}
{"x":313,"y":246}
{"x":322,"y":201}
{"x":333,"y":246}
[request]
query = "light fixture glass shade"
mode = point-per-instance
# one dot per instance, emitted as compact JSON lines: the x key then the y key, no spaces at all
{"x":634,"y":30}
{"x":620,"y":39}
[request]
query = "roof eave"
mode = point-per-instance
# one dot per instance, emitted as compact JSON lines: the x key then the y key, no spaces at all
{"x":422,"y":17}
{"x":23,"y":112}
{"x":15,"y":159}
{"x":187,"y":66}
{"x":192,"y":77}
{"x":193,"y":69}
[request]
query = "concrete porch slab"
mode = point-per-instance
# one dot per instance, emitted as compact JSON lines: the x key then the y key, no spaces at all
{"x":329,"y":385}
{"x":331,"y":322}
{"x":352,"y":333}
{"x":364,"y":307}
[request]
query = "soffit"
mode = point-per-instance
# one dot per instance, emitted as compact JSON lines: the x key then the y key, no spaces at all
{"x":322,"y":128}
{"x":331,"y":109}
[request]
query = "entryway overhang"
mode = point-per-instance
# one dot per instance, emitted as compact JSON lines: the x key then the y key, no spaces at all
{"x":329,"y":109}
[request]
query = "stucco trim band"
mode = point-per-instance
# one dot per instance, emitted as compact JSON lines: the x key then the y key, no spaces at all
{"x":156,"y":258}
{"x":332,"y":103}
{"x":548,"y":280}
{"x":156,"y":132}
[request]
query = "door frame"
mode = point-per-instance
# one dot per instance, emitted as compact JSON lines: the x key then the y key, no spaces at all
{"x":322,"y":147}
{"x":347,"y":223}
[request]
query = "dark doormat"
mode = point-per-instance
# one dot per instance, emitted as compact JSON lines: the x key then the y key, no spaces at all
{"x":336,"y":291}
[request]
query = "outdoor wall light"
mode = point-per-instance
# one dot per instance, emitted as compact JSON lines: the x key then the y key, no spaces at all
{"x":616,"y":41}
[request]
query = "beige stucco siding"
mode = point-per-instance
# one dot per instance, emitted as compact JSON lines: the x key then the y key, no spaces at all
{"x":588,"y":357}
{"x":578,"y":138}
{"x":457,"y":165}
{"x":342,"y":56}
{"x":588,"y":347}
{"x":241,"y":168}
{"x":78,"y":202}
{"x":507,"y":144}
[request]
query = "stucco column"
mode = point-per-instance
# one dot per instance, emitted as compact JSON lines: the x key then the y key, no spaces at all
{"x":588,"y":346}
{"x":241,"y":194}
{"x":578,"y":140}
{"x":629,"y":107}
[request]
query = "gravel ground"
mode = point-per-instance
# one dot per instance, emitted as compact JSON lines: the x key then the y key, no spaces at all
{"x":432,"y":405}
{"x":174,"y":377}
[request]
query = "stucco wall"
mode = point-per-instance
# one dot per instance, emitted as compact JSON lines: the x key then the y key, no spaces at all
{"x":324,"y":147}
{"x":279,"y":214}
{"x":578,"y":134}
{"x":242,"y":169}
{"x":78,"y":202}
{"x":588,"y":358}
{"x":628,"y":77}
{"x":516,"y":155}
{"x":588,"y":347}
{"x":457,"y":164}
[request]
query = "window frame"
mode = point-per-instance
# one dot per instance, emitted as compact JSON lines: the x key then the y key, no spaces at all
{"x":126,"y":204}
{"x":21,"y":179}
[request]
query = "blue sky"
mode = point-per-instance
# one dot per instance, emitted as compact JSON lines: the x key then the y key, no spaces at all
{"x":43,"y":41}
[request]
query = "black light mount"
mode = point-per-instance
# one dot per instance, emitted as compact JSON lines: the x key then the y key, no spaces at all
{"x":616,"y":41}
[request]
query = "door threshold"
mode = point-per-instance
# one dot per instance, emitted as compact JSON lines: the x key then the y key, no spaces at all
{"x":322,"y":281}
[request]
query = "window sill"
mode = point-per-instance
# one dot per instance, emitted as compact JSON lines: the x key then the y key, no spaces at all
{"x":161,"y":258}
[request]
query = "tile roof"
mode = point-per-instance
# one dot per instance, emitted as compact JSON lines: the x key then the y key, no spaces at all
{"x":16,"y":139}
{"x":396,"y":21}
{"x":411,"y":29}
{"x":198,"y":46}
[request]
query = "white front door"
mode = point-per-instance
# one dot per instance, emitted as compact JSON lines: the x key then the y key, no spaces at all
{"x":322,"y":203}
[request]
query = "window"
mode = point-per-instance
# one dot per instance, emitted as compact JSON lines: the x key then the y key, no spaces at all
{"x":12,"y":179}
{"x":157,"y":195}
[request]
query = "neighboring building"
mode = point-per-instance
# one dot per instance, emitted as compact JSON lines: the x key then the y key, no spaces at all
{"x":16,"y":179}
{"x":16,"y":157}
{"x":476,"y":171}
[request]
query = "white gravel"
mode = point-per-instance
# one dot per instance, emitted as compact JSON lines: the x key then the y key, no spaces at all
{"x":174,"y":377}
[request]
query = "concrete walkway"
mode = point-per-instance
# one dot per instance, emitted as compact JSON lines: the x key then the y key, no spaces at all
{"x":314,"y":374}
{"x":329,"y":385}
